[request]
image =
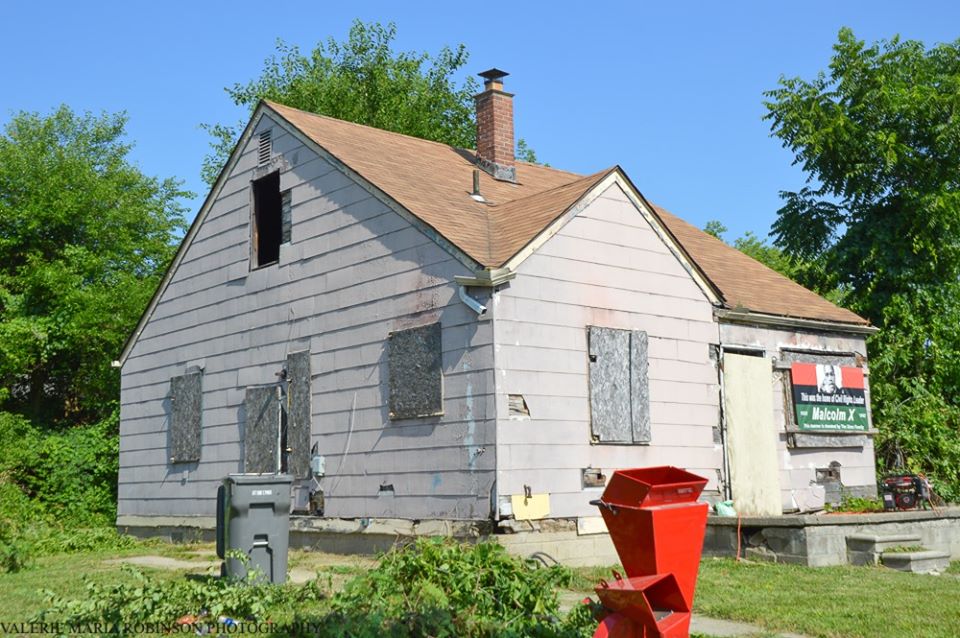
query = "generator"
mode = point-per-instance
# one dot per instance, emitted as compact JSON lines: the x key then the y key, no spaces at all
{"x":905,"y":492}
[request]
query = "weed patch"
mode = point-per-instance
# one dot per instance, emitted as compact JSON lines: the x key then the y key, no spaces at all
{"x":433,"y":587}
{"x":438,"y":587}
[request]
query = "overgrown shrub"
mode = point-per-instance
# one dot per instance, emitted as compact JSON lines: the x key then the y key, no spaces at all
{"x":915,"y":385}
{"x":74,"y":472}
{"x":144,"y":599}
{"x":57,"y":490}
{"x":15,"y":550}
{"x":435,"y":587}
{"x":26,"y":533}
{"x":438,"y":587}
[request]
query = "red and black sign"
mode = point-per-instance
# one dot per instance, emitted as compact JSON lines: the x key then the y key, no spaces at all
{"x":829,"y":397}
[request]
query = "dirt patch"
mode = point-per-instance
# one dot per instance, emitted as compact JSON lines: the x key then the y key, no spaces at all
{"x":321,"y":561}
{"x":164,"y":562}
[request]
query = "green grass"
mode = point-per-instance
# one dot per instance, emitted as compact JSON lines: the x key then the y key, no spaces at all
{"x":865,"y":602}
{"x":823,"y":602}
{"x":20,"y":592}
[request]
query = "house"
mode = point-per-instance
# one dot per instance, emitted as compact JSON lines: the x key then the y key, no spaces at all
{"x":421,"y":332}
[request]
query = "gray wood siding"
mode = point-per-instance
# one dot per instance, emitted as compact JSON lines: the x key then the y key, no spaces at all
{"x":354,"y":271}
{"x":798,"y":465}
{"x":606,"y":267}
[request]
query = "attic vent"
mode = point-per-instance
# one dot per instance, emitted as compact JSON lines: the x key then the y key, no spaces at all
{"x":265,"y":149}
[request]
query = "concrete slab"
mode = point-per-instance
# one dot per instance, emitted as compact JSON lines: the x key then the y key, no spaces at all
{"x":718,"y":628}
{"x":924,"y":562}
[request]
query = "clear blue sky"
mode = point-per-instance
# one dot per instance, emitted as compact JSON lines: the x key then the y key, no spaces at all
{"x":671,"y":91}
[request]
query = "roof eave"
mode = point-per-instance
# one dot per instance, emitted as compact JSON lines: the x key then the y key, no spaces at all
{"x":744,"y":316}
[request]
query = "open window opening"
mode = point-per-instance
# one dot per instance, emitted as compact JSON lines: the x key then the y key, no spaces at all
{"x":267,"y":219}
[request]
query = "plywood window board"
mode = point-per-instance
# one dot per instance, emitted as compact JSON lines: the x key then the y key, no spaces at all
{"x":298,"y":414}
{"x":619,"y":385}
{"x":416,"y":374}
{"x":261,"y":433}
{"x":186,"y":410}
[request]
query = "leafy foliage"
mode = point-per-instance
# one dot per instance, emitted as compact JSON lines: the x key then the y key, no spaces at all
{"x":715,"y":228}
{"x":144,"y":599}
{"x":881,"y":146}
{"x":57,"y":490}
{"x":69,"y":475}
{"x":880,"y":217}
{"x":525,"y":153}
{"x":434,"y":587}
{"x":362,"y":80}
{"x":438,"y":587}
{"x":15,"y":508}
{"x":857,"y":504}
{"x":86,"y":238}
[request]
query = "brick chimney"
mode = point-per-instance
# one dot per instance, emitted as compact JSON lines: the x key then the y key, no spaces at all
{"x":495,"y":127}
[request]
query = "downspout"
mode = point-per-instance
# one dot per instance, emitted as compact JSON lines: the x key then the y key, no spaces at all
{"x":472,"y":303}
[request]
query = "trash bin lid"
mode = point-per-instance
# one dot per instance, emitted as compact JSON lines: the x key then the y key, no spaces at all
{"x":259,"y":479}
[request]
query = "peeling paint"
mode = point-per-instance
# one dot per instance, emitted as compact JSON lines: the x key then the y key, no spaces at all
{"x":470,"y":437}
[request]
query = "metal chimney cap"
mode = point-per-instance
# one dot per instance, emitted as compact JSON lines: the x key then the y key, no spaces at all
{"x":493,"y":75}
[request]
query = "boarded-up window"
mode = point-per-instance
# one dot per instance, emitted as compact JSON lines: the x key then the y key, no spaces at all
{"x":186,"y":399}
{"x":619,"y":389}
{"x":298,"y":414}
{"x":261,"y":434}
{"x":416,"y":378}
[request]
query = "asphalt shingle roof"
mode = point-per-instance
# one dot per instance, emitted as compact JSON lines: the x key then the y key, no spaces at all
{"x":433,"y":181}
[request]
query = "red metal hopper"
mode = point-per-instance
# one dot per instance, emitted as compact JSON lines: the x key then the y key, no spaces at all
{"x":657,"y":527}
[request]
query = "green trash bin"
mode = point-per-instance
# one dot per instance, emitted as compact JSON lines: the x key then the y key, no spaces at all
{"x":253,"y":517}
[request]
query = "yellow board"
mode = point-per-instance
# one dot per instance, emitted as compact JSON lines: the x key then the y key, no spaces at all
{"x":526,"y":508}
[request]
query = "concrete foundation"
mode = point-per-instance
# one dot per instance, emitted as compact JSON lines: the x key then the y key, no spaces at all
{"x":823,"y":539}
{"x":812,"y":540}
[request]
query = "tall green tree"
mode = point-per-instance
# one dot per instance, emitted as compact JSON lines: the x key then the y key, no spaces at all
{"x":878,"y":136}
{"x":85,"y":239}
{"x":362,"y":80}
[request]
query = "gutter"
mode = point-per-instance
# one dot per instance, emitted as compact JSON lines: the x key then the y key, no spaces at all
{"x":763,"y":319}
{"x":486,"y":278}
